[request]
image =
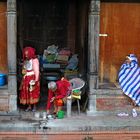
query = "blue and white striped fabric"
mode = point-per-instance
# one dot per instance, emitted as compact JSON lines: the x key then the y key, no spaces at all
{"x":129,"y":79}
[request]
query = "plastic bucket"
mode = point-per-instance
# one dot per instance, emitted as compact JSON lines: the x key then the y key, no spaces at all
{"x":60,"y":114}
{"x":2,"y":79}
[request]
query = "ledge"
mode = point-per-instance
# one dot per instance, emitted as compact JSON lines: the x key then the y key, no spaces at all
{"x":107,"y":92}
{"x":4,"y":87}
{"x":4,"y":92}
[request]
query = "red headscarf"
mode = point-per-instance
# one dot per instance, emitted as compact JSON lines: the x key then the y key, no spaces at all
{"x":31,"y":52}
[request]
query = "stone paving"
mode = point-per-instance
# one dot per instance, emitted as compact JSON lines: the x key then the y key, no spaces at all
{"x":26,"y":121}
{"x":25,"y":126}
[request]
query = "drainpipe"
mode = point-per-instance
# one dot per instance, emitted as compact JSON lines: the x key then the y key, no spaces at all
{"x":93,"y":53}
{"x":11,"y":48}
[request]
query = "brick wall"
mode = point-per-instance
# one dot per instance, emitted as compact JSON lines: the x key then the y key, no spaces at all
{"x":4,"y":101}
{"x":112,"y":101}
{"x":109,"y":135}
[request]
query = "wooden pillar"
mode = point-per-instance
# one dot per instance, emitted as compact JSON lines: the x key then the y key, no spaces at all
{"x":93,"y":52}
{"x":11,"y":48}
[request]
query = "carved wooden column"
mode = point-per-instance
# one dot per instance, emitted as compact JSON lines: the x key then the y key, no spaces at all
{"x":93,"y":52}
{"x":11,"y":47}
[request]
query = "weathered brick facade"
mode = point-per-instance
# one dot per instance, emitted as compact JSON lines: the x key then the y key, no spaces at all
{"x":71,"y":136}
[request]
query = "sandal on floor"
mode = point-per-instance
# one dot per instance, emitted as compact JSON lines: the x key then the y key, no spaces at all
{"x":34,"y":110}
{"x":134,"y":112}
{"x":28,"y":109}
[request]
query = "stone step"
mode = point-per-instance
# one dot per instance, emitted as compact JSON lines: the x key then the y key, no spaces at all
{"x":109,"y":100}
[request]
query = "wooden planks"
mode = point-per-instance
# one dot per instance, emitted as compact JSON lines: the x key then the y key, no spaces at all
{"x":120,"y":21}
{"x":3,"y":38}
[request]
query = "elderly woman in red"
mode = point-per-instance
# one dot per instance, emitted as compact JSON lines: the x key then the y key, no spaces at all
{"x":58,"y":91}
{"x":30,"y":85}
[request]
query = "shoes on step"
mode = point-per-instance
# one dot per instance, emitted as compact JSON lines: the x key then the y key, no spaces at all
{"x":134,"y":112}
{"x":34,"y":110}
{"x":28,"y":109}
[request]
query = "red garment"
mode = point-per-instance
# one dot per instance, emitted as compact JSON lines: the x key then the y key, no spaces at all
{"x":61,"y":92}
{"x":58,"y":102}
{"x":27,"y":96}
{"x":30,"y":94}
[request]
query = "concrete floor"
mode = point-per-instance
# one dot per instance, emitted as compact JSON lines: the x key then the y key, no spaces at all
{"x":26,"y":121}
{"x":25,"y":126}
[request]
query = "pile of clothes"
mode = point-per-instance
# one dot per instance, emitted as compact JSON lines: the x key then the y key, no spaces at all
{"x":64,"y":57}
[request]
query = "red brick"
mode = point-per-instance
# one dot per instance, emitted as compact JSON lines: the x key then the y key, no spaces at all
{"x":104,"y":135}
{"x":111,"y":103}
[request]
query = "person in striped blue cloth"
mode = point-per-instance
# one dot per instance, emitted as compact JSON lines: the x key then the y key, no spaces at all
{"x":129,"y":78}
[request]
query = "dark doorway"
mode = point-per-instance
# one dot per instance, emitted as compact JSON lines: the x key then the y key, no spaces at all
{"x":40,"y":24}
{"x":51,"y":22}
